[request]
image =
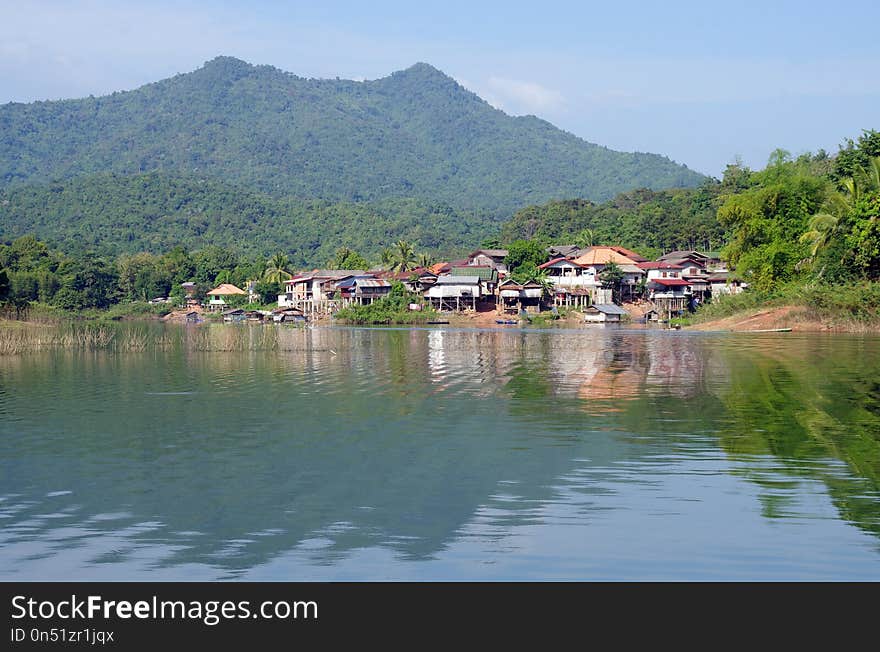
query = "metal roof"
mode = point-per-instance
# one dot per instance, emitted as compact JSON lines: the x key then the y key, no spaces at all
{"x":458,"y":280}
{"x":670,"y":282}
{"x":609,"y":309}
{"x":492,"y":253}
{"x":482,"y":271}
{"x":561,"y":259}
{"x":372,"y":283}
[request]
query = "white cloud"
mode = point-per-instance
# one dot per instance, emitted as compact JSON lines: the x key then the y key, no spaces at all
{"x":516,"y":96}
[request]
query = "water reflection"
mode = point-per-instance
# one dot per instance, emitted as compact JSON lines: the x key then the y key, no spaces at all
{"x":420,"y":453}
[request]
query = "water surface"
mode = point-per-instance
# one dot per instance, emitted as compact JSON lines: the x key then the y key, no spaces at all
{"x":445,"y":454}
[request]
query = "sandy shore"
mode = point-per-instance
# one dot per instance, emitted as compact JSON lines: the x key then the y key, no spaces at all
{"x":797,"y":318}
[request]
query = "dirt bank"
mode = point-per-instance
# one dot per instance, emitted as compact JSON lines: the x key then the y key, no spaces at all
{"x":797,"y":318}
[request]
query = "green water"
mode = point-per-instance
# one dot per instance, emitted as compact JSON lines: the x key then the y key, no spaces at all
{"x":443,"y":454}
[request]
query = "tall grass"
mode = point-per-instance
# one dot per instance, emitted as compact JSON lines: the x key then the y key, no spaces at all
{"x":853,"y":304}
{"x":19,"y":338}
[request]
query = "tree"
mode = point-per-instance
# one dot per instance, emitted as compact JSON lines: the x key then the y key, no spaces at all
{"x":425,"y":260}
{"x":524,"y":253}
{"x":346,"y":258}
{"x":403,"y":256}
{"x":4,"y":285}
{"x":612,"y":277}
{"x":276,"y":269}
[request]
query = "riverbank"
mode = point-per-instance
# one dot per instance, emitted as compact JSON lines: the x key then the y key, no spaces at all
{"x":813,"y":308}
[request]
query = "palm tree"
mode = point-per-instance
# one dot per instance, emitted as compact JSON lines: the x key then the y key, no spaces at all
{"x":584,"y":239}
{"x":403,"y":256}
{"x":822,"y":228}
{"x":425,"y":259}
{"x":276,"y":268}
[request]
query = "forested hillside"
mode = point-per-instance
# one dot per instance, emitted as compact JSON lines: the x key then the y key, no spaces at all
{"x":650,"y":222}
{"x":414,"y":134}
{"x":155,"y":212}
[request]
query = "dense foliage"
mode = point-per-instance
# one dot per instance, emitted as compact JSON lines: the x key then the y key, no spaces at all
{"x":650,"y":222}
{"x":76,"y":282}
{"x":155,"y":212}
{"x":416,"y":133}
{"x":391,"y":309}
{"x":802,"y":221}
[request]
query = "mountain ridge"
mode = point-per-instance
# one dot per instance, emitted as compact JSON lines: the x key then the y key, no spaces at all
{"x":414,"y":133}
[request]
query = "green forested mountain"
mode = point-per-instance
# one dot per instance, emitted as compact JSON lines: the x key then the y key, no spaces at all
{"x":155,"y":212}
{"x":416,"y":133}
{"x":650,"y":222}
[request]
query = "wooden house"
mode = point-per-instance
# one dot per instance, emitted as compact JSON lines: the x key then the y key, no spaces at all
{"x":514,"y":297}
{"x":455,"y":292}
{"x":493,"y":258}
{"x":604,"y":313}
{"x":217,"y":298}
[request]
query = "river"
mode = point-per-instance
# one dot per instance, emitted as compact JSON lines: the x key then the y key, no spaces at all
{"x":444,"y":454}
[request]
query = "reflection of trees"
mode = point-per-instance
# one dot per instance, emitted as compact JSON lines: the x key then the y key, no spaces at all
{"x":805,"y":407}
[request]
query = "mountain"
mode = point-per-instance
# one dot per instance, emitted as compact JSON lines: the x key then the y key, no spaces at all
{"x":414,"y":134}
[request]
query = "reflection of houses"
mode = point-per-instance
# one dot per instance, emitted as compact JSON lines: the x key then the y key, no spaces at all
{"x":454,"y":292}
{"x":604,"y":313}
{"x":219,"y":296}
{"x":513,"y":297}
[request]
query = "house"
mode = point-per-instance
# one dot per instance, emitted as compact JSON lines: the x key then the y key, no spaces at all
{"x":604,"y":313}
{"x":234,"y":315}
{"x":564,"y":251}
{"x":316,"y":287}
{"x":415,"y":280}
{"x":367,"y":289}
{"x":629,"y":253}
{"x":514,"y":297}
{"x":493,"y":258}
{"x":217,"y":298}
{"x":488,"y":276}
{"x":724,"y":283}
{"x":455,"y":292}
{"x":288,"y":315}
{"x":596,"y":259}
{"x":573,"y":284}
{"x":189,"y":293}
{"x":193,"y":317}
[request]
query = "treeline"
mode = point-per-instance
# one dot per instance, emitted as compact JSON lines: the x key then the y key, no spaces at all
{"x":813,"y":218}
{"x":112,"y":215}
{"x":32,"y":271}
{"x":647,"y":221}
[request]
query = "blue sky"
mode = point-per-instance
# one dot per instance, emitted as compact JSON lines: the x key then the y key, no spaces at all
{"x":700,"y":82}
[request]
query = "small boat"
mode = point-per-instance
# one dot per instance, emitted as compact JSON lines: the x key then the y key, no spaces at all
{"x":505,"y":321}
{"x":770,"y":330}
{"x":439,"y":322}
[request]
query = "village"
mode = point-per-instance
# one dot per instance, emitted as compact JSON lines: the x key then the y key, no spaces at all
{"x":603,"y":284}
